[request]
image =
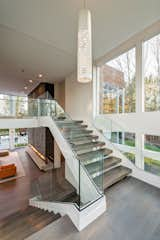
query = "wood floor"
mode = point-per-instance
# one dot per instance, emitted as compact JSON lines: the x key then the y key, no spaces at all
{"x":133,"y":214}
{"x":14,"y":194}
{"x":24,"y":223}
{"x":17,"y":219}
{"x":133,"y":210}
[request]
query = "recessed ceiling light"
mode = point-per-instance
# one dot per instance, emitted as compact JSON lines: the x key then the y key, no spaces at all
{"x":30,"y":80}
{"x":40,"y":75}
{"x":25,"y":87}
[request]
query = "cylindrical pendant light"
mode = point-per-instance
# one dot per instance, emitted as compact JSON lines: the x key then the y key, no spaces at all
{"x":84,"y":64}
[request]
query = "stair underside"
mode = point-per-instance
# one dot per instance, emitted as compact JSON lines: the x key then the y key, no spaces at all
{"x":85,"y":146}
{"x":114,"y":175}
{"x":73,"y":133}
{"x":69,"y":127}
{"x":81,"y":145}
{"x":101,"y":153}
{"x":83,"y":139}
{"x":68,"y":122}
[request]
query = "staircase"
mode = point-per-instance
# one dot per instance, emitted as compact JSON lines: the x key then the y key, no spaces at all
{"x":90,"y":166}
{"x":24,"y":223}
{"x":89,"y":151}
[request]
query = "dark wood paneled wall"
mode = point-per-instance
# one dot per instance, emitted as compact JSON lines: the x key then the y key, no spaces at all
{"x":41,"y":138}
{"x":43,"y":90}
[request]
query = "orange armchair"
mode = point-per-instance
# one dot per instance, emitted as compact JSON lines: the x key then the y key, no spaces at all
{"x":7,"y":171}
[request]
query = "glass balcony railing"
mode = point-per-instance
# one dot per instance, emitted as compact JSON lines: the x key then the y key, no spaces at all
{"x":143,"y":152}
{"x":87,"y":170}
{"x":118,"y":136}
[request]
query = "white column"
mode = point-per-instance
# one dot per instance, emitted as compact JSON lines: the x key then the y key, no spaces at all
{"x":139,"y":79}
{"x":123,"y":100}
{"x":139,"y":150}
{"x":96,"y":91}
{"x":57,"y":156}
{"x":12,"y":104}
{"x":117,"y":109}
{"x":11,"y":138}
{"x":117,"y":137}
{"x":123,"y":138}
{"x":139,"y":103}
{"x":123,"y":111}
{"x":117,"y":100}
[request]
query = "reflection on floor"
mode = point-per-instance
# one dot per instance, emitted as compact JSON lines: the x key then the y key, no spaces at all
{"x":14,"y":195}
{"x":17,"y":219}
{"x":133,"y":214}
{"x":133,"y":210}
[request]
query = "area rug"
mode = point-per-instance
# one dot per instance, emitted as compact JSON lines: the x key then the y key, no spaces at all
{"x":12,"y":158}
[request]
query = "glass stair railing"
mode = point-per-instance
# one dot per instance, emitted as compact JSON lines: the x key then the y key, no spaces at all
{"x":121,"y":138}
{"x":94,"y":167}
{"x":87,"y":146}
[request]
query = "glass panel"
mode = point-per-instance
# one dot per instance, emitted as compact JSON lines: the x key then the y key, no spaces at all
{"x":21,"y":137}
{"x":151,"y":49}
{"x":4,"y":138}
{"x":125,"y":141}
{"x":117,"y":84}
{"x":91,"y":165}
{"x":124,"y":138}
{"x":88,"y":177}
{"x":152,"y":165}
{"x":152,"y":143}
{"x":130,"y":156}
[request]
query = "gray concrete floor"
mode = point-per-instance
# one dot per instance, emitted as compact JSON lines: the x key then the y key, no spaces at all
{"x":133,"y":214}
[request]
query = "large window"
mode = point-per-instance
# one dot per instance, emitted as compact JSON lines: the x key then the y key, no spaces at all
{"x":4,"y":138}
{"x":152,"y":143}
{"x":152,"y":165}
{"x":21,"y":137}
{"x":117,"y":84}
{"x":13,"y":105}
{"x":151,"y":49}
{"x":130,"y":83}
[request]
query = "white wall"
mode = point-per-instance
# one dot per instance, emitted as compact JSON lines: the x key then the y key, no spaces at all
{"x":78,"y":98}
{"x":143,"y":123}
{"x":59,"y":92}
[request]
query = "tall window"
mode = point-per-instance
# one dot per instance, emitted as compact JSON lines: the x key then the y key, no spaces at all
{"x":117,"y":84}
{"x":151,"y":49}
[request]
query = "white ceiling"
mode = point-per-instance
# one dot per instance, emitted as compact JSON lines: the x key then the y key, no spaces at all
{"x":40,"y":36}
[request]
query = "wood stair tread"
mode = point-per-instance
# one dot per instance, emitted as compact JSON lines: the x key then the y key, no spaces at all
{"x":73,"y":127}
{"x":111,"y":161}
{"x":82,"y":139}
{"x":103,"y":152}
{"x":114,"y":175}
{"x":100,"y":166}
{"x":90,"y":144}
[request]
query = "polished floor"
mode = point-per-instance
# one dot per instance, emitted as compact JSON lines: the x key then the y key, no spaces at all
{"x":133,"y":214}
{"x":15,"y":194}
{"x":133,"y":209}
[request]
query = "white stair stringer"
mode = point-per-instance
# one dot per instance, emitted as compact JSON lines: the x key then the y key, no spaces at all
{"x":79,"y":218}
{"x":88,"y":188}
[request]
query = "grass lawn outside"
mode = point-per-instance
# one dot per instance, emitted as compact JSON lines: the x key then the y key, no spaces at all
{"x":151,"y":147}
